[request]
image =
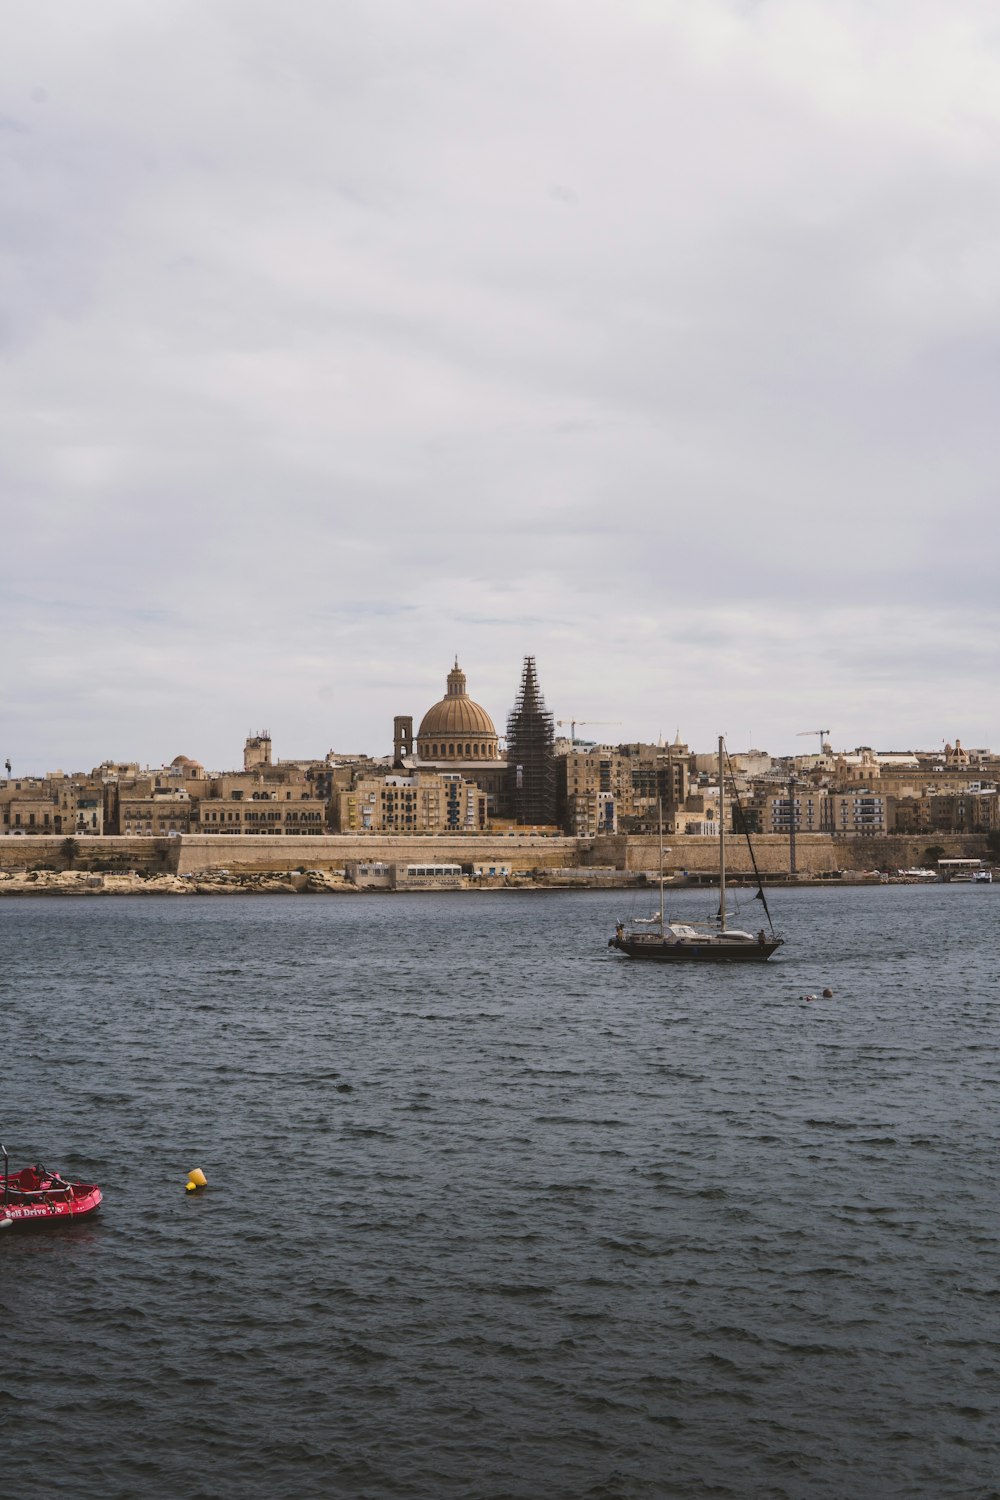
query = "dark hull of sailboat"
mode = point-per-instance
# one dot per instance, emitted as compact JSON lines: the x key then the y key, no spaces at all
{"x":712,"y":950}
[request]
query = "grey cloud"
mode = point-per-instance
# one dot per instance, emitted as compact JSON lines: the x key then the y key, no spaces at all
{"x":661,"y":341}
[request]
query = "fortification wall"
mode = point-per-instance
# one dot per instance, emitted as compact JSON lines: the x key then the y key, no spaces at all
{"x":35,"y":851}
{"x":191,"y":854}
{"x":815,"y":853}
{"x":521,"y":852}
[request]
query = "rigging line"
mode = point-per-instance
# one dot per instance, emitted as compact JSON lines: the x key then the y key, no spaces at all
{"x":746,"y":834}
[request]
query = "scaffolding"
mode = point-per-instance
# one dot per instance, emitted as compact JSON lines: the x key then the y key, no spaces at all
{"x":531,"y":767}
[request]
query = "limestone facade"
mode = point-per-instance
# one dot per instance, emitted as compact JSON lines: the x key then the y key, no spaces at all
{"x":604,"y":790}
{"x":265,"y":802}
{"x":425,"y":802}
{"x":262,"y":815}
{"x":455,"y":734}
{"x":257,"y":751}
{"x":158,"y":815}
{"x":809,"y":809}
{"x":68,"y":805}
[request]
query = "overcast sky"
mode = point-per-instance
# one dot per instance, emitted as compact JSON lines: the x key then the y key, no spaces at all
{"x":657,"y":338}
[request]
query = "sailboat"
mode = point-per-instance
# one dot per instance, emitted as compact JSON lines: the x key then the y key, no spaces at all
{"x":680,"y":942}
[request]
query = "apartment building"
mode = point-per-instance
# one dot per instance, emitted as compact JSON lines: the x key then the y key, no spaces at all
{"x":604,"y":790}
{"x":859,"y":813}
{"x":28,"y":809}
{"x":252,"y":803}
{"x":424,"y":802}
{"x":157,"y":815}
{"x":972,"y":811}
{"x":52,"y":804}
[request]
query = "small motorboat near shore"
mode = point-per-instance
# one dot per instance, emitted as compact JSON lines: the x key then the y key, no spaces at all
{"x":34,"y":1195}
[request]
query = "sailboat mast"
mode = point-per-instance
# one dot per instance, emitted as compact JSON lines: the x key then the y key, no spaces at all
{"x":659,"y":813}
{"x":722,"y":838}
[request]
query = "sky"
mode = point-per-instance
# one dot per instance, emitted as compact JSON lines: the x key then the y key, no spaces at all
{"x":658,"y":340}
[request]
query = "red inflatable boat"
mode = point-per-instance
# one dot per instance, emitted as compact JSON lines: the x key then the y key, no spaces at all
{"x":37,"y":1196}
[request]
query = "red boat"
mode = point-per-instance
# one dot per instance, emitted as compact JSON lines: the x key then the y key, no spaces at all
{"x":37,"y":1196}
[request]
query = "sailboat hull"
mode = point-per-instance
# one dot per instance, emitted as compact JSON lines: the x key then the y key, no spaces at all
{"x":707,"y":950}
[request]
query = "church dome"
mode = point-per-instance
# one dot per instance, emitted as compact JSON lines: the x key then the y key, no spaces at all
{"x":185,"y":766}
{"x":457,"y":728}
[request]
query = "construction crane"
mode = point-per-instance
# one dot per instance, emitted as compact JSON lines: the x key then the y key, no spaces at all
{"x":574,"y":722}
{"x":824,"y":735}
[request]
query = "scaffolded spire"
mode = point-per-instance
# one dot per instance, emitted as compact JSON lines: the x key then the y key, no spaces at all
{"x":531,"y":771}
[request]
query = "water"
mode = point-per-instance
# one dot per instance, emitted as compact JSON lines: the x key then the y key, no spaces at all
{"x":494,"y":1212}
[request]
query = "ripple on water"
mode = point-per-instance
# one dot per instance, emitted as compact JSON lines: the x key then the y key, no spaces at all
{"x":495,"y":1213}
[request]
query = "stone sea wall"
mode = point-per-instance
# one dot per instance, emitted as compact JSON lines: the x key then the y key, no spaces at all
{"x":194,"y":854}
{"x":815,"y":853}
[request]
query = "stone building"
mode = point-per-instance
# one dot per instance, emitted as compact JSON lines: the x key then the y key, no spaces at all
{"x":60,"y":803}
{"x":262,"y":814}
{"x":257,"y":750}
{"x":267,"y":801}
{"x":27,"y":806}
{"x":165,"y":811}
{"x":965,"y":812}
{"x":424,"y":802}
{"x":153,"y":802}
{"x":455,"y":734}
{"x":622,"y":789}
{"x":859,"y":813}
{"x":808,"y":809}
{"x":909,"y":815}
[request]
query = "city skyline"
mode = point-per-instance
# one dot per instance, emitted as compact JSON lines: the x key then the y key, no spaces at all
{"x":655,"y":342}
{"x":809,"y":748}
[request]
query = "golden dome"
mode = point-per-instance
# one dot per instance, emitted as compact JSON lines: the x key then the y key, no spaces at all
{"x":456,"y":717}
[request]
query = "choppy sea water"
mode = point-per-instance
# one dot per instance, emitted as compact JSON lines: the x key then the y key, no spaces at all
{"x":494,"y":1212}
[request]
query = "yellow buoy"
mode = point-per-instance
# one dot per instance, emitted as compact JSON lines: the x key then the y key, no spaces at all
{"x":190,"y":1187}
{"x":196,"y":1179}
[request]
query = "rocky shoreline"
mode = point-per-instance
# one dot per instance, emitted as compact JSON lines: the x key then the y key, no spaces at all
{"x":317,"y":882}
{"x":83,"y":883}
